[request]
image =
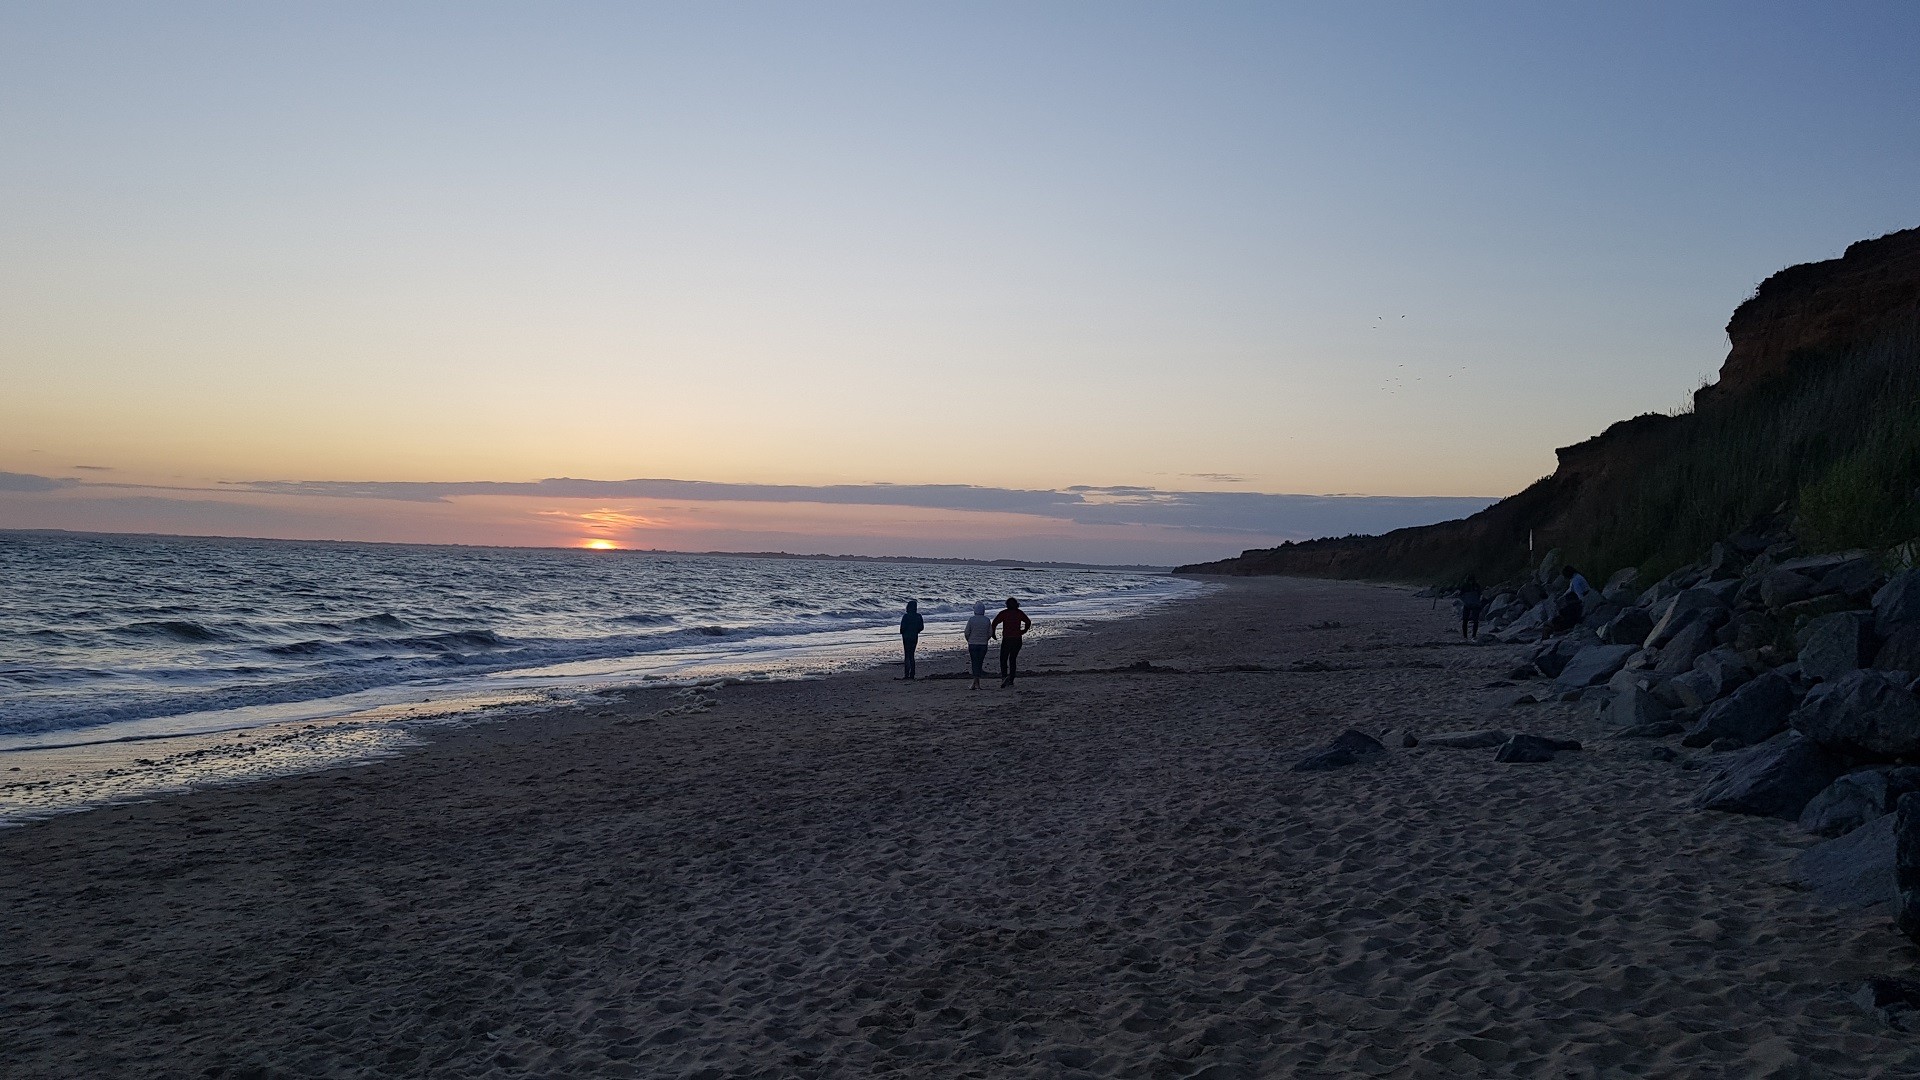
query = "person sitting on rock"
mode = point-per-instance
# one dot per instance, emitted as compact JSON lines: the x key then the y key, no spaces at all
{"x":1571,"y":605}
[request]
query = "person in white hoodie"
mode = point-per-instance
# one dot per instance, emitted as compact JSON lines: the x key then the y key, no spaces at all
{"x":979,"y":632}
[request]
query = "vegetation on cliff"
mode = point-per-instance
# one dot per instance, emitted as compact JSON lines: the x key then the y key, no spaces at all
{"x":1816,"y":416}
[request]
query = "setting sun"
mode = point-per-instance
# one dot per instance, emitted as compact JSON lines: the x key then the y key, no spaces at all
{"x":599,"y":545}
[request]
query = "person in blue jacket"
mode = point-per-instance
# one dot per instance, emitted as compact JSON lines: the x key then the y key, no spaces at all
{"x":910,"y":626}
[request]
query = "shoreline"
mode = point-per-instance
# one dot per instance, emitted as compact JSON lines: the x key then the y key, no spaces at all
{"x":1105,"y":873}
{"x":46,"y":774}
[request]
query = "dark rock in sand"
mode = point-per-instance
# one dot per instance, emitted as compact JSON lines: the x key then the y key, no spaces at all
{"x":1775,"y":779}
{"x":1550,"y":661}
{"x":1533,"y":748}
{"x":1857,"y":798}
{"x":1832,"y":645}
{"x":1400,"y":737}
{"x":1897,"y":604}
{"x":1750,"y":715}
{"x":1869,"y":713}
{"x":1635,"y":708}
{"x":1657,"y":730}
{"x":1466,"y":740}
{"x":1350,"y":747}
{"x":1906,"y":863}
{"x":1630,"y":627}
{"x":1661,"y":753}
{"x":1893,"y":998}
{"x":1592,"y":666}
{"x":1852,"y":871}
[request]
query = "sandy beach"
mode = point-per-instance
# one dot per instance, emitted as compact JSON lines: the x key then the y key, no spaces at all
{"x":1096,"y":874}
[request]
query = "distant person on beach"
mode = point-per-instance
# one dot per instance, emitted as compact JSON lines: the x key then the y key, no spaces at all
{"x":1470,"y":608}
{"x":979,"y":632}
{"x":910,"y":626}
{"x":1012,"y":624}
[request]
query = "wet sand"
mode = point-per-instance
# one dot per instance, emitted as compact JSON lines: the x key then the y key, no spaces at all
{"x":1100,"y":874}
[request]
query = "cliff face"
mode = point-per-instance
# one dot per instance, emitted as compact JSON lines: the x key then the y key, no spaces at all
{"x":1798,"y":319}
{"x":1818,"y":308}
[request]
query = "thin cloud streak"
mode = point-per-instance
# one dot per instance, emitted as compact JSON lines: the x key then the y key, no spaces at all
{"x":1111,"y":523}
{"x":1205,"y":511}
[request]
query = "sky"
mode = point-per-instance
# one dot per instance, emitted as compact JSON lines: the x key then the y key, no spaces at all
{"x":1092,"y":281}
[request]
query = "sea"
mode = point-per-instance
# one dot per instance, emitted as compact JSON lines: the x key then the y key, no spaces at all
{"x":132,"y":666}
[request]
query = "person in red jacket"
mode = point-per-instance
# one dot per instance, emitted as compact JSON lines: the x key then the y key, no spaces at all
{"x":1012,"y":623}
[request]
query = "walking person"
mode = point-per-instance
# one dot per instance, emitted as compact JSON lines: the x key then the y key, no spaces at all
{"x":910,"y":626}
{"x":1012,"y":624}
{"x":979,"y":632}
{"x":1470,"y":601}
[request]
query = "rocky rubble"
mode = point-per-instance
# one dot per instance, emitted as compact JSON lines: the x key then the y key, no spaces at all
{"x":1799,"y":673}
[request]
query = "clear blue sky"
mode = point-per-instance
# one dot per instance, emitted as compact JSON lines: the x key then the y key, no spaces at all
{"x":1390,"y":249}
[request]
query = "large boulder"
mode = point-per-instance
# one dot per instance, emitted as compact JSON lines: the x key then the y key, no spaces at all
{"x":1857,"y":798}
{"x":1901,"y":651}
{"x":1857,"y":578}
{"x":1748,"y":632}
{"x":1622,"y":587}
{"x":1674,"y":615}
{"x":1592,"y":666}
{"x":1531,"y":621}
{"x":1726,"y":669}
{"x":1599,"y":613}
{"x":1750,"y":715}
{"x":1547,"y":576}
{"x":1693,"y":640}
{"x":1868,"y":713}
{"x":1832,"y":645}
{"x":1350,"y":747}
{"x":1856,"y":870}
{"x":1725,"y":562}
{"x":1800,"y":614}
{"x":1819,"y":566}
{"x":1634,"y":707}
{"x":1630,"y":627}
{"x":1693,"y":690}
{"x":1781,"y":587}
{"x":1906,"y":863}
{"x":1897,"y":604}
{"x":1776,"y":779}
{"x":1532,"y":749}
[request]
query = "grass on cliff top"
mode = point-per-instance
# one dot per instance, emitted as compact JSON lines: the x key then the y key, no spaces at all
{"x":1837,"y":441}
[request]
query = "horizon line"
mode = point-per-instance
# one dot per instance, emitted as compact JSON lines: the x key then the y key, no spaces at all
{"x":943,"y":559}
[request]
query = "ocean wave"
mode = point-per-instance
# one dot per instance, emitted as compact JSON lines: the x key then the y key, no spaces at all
{"x":177,"y":629}
{"x":259,"y":624}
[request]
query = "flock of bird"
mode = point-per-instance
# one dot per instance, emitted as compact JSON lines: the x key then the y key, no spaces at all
{"x":1397,"y":383}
